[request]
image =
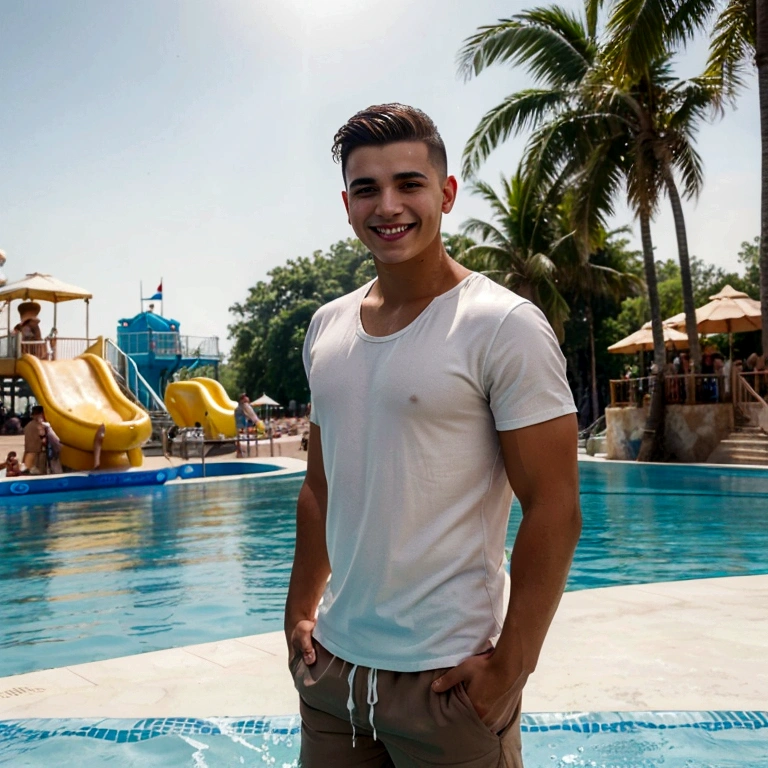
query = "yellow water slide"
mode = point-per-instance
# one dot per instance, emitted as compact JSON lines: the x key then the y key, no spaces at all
{"x":78,"y":396}
{"x":202,"y":401}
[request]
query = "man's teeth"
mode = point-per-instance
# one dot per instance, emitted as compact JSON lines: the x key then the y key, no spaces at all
{"x":391,"y":230}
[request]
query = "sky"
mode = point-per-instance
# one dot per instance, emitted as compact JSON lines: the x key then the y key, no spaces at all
{"x":189,"y":141}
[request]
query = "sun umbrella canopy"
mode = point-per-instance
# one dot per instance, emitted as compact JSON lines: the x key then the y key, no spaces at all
{"x":729,"y":311}
{"x":42,"y":288}
{"x":642,"y":341}
{"x":265,"y":400}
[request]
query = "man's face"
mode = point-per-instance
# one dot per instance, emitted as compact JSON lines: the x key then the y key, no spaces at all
{"x":395,"y":199}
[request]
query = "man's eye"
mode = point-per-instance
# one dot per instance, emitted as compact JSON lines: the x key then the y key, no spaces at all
{"x":411,"y":185}
{"x":365,"y":191}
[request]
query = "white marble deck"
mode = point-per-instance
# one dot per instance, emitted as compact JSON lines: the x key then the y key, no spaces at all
{"x":699,"y":645}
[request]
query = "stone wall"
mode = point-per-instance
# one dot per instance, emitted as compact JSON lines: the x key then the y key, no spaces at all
{"x":691,"y":432}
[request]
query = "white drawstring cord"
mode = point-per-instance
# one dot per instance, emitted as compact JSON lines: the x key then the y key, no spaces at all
{"x":351,"y":701}
{"x":373,"y":696}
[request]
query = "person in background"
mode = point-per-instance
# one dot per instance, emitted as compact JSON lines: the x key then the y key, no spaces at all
{"x":28,"y":328}
{"x":35,"y":444}
{"x":53,"y":450}
{"x":12,"y":425}
{"x":51,"y":342}
{"x":11,"y":465}
{"x":245,"y":417}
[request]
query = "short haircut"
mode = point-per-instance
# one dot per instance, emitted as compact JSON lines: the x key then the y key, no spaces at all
{"x":386,"y":124}
{"x":37,"y":409}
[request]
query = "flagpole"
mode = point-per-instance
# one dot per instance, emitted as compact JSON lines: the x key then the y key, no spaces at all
{"x":141,"y":296}
{"x":162,"y":293}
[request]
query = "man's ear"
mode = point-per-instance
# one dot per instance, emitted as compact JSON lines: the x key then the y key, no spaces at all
{"x":450,"y":189}
{"x":345,"y":198}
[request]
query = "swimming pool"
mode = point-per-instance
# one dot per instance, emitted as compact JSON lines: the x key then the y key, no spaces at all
{"x":90,"y":576}
{"x":88,"y":481}
{"x":597,"y":740}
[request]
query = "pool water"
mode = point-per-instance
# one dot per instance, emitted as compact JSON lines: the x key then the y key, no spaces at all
{"x":596,"y":740}
{"x":95,"y":575}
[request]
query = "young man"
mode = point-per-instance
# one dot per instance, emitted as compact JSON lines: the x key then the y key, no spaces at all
{"x":433,"y":391}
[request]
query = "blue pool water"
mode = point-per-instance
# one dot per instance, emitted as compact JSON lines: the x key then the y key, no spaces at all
{"x":597,"y":740}
{"x":99,"y":574}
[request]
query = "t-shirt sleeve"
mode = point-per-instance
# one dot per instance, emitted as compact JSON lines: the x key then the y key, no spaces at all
{"x":309,"y":340}
{"x":524,"y":371}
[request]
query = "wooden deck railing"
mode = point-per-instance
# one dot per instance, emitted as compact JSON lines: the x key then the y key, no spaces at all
{"x":750,"y":390}
{"x":689,"y":389}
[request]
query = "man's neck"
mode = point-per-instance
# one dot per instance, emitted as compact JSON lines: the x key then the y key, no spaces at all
{"x":425,"y":276}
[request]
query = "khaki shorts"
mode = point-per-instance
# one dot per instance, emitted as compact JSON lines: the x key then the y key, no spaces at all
{"x":414,"y":726}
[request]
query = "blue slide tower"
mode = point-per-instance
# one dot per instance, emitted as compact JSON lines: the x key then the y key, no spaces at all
{"x":157,"y":348}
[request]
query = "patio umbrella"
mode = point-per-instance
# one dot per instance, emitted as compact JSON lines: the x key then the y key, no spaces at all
{"x":729,"y":311}
{"x":37,"y":285}
{"x":267,"y":401}
{"x":642,"y":341}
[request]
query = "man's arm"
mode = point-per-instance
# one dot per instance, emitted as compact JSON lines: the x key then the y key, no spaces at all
{"x":311,"y":567}
{"x":541,"y":464}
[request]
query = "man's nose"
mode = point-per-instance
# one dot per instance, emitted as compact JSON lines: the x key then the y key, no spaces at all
{"x":389,"y":203}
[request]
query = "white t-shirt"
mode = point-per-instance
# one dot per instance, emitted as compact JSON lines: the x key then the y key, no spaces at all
{"x":418,"y":497}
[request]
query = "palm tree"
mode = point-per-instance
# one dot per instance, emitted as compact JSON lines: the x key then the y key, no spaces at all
{"x":587,"y":94}
{"x":641,"y":29}
{"x":514,"y":248}
{"x":584,"y":281}
{"x":740,"y":40}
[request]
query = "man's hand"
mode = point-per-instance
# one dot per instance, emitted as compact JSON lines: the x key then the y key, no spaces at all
{"x":300,"y":642}
{"x":486,"y":680}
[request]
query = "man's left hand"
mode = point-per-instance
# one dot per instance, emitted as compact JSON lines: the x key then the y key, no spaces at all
{"x":485,"y":679}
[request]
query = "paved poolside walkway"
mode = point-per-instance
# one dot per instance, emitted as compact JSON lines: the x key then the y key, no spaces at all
{"x":681,"y":645}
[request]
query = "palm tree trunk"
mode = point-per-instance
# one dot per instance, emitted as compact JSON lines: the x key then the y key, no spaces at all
{"x":685,"y":271}
{"x":592,"y":364}
{"x":652,"y":445}
{"x":659,"y":355}
{"x":761,"y":57}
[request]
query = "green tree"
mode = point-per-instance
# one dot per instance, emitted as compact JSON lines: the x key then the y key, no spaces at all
{"x":270,"y":325}
{"x":749,"y":257}
{"x":605,"y":278}
{"x":514,"y":249}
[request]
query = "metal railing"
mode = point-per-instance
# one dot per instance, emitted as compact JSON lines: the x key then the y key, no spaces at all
{"x":51,"y":348}
{"x":8,"y":347}
{"x":167,"y":344}
{"x":127,"y":371}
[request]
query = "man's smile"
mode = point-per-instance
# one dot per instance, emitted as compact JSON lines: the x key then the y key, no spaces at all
{"x":392,"y":231}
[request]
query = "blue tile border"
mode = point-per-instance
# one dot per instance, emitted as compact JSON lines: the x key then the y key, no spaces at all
{"x":121,"y":731}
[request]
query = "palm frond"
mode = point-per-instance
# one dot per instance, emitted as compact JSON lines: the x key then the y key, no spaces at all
{"x":688,"y":163}
{"x":483,"y":229}
{"x":689,"y":18}
{"x":516,"y":113}
{"x":636,"y":33}
{"x":732,"y":48}
{"x":550,"y":42}
{"x":592,"y":10}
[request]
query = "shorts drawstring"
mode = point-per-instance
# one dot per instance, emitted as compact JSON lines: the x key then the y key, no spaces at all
{"x":373,"y":696}
{"x":351,"y":701}
{"x":372,"y":699}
